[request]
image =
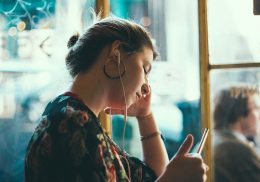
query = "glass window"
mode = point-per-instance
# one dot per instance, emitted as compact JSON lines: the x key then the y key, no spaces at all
{"x":233,"y":31}
{"x":33,"y":39}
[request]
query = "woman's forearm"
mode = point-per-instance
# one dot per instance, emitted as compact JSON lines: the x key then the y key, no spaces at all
{"x":154,"y":151}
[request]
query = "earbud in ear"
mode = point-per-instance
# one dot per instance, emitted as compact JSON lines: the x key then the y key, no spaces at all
{"x":117,"y":54}
{"x":113,"y":68}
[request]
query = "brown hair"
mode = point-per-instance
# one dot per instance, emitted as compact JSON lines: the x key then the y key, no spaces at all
{"x":231,"y":104}
{"x":84,"y":49}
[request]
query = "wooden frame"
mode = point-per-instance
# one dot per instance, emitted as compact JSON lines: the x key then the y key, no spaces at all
{"x":103,"y":7}
{"x":205,"y":82}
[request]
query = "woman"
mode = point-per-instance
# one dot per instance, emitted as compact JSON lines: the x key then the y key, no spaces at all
{"x":109,"y":64}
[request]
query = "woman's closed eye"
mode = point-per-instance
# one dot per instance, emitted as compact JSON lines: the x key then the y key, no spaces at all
{"x":147,"y":69}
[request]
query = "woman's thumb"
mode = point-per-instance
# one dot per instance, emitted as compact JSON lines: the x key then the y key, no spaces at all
{"x":186,"y":146}
{"x":113,"y":111}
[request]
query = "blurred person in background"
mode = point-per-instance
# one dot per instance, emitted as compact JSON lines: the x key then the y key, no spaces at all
{"x":236,"y":123}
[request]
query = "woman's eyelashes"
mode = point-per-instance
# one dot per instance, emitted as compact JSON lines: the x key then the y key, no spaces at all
{"x":147,"y":69}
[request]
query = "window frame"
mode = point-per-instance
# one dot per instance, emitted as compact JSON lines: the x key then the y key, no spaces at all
{"x":205,"y":68}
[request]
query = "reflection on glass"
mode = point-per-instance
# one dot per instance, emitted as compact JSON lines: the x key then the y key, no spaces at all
{"x":18,"y":18}
{"x":233,"y":32}
{"x":33,"y":38}
{"x":235,"y":96}
{"x":25,"y":49}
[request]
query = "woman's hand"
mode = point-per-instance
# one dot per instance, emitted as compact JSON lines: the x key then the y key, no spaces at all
{"x":185,"y":167}
{"x":141,"y":108}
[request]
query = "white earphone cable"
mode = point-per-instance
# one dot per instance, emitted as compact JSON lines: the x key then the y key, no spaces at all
{"x":125,"y":118}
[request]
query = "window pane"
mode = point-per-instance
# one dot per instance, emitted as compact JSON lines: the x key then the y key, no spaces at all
{"x":33,"y":39}
{"x":220,"y":78}
{"x":233,"y":32}
{"x":175,"y":76}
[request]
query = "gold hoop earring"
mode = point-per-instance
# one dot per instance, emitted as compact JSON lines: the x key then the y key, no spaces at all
{"x":110,"y":68}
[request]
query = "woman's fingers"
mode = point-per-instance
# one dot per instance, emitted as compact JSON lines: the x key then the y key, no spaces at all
{"x":113,"y":111}
{"x":187,"y":166}
{"x":206,"y":167}
{"x":186,"y":146}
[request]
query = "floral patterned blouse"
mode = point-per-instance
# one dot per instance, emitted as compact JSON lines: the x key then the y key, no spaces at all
{"x":69,"y":145}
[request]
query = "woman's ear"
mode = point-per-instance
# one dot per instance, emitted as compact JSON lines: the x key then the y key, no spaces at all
{"x":115,"y":48}
{"x":113,"y":68}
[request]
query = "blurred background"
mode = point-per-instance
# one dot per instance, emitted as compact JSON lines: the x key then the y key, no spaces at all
{"x":33,"y":38}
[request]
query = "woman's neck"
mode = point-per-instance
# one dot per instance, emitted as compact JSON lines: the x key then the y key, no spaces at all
{"x":89,"y":88}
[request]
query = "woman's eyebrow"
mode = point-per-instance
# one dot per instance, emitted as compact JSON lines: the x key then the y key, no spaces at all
{"x":147,"y":61}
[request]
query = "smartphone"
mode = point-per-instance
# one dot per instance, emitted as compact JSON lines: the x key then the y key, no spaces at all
{"x":202,"y":141}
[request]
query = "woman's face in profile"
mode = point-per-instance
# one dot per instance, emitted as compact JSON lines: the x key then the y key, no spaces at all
{"x":251,"y":122}
{"x":138,"y":66}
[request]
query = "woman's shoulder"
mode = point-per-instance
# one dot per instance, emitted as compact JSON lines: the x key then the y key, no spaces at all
{"x":68,"y":106}
{"x":66,"y":114}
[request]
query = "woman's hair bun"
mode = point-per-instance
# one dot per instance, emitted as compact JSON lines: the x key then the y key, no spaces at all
{"x":73,"y":39}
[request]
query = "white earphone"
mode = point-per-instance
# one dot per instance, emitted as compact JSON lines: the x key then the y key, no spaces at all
{"x":117,"y":53}
{"x":120,"y":77}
